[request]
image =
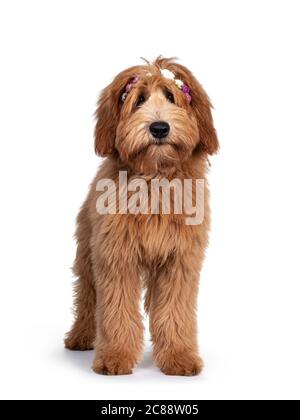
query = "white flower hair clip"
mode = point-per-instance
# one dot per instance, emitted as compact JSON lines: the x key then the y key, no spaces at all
{"x":167,"y":74}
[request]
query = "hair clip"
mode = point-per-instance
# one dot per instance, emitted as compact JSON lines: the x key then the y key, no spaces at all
{"x":167,"y":74}
{"x":129,"y":87}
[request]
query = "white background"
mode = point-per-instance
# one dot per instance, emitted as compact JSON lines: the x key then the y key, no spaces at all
{"x":55,"y":58}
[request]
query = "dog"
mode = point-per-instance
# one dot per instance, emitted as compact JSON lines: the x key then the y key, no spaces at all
{"x":153,"y":121}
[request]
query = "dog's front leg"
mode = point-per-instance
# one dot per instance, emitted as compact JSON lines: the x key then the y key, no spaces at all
{"x":119,"y":327}
{"x":173,"y":319}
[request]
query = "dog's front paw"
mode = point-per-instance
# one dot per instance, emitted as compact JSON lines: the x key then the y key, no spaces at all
{"x":113,"y":364}
{"x":181,"y":364}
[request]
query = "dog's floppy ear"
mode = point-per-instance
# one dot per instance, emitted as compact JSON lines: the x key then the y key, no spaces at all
{"x":106,"y":123}
{"x":108,"y":112}
{"x":208,"y":141}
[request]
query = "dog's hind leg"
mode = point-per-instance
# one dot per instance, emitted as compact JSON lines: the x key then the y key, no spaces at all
{"x":82,"y":334}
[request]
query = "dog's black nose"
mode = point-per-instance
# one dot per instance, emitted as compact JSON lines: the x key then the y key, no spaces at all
{"x":159,"y":129}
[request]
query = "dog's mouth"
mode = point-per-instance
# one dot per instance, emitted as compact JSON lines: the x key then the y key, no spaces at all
{"x":168,"y":143}
{"x":156,"y":149}
{"x":153,"y":145}
{"x":160,"y":142}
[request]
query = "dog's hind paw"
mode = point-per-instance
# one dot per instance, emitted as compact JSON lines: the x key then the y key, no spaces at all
{"x":78,"y":342}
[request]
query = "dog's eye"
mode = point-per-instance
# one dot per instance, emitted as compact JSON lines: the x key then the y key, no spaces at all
{"x":170,"y":97}
{"x":140,"y":101}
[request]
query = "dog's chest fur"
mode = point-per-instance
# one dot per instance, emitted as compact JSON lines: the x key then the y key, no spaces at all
{"x":148,"y":238}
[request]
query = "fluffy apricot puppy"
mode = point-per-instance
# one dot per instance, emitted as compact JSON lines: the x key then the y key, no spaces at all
{"x":154,"y":122}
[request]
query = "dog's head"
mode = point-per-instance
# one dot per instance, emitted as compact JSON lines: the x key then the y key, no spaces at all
{"x":154,"y":116}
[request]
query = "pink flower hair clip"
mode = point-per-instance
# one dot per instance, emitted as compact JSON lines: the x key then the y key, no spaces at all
{"x":129,"y":87}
